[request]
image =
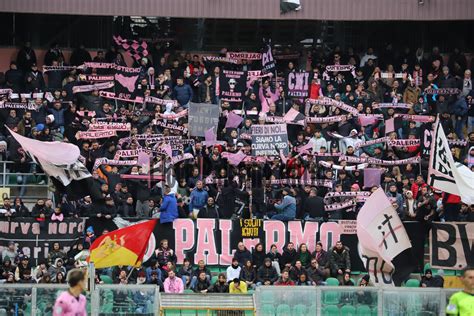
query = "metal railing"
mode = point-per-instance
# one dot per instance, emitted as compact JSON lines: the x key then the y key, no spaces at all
{"x":350,"y":300}
{"x":108,"y":300}
{"x":22,"y":183}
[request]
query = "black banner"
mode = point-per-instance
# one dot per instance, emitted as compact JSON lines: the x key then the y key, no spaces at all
{"x":233,"y":85}
{"x":216,"y":240}
{"x":297,"y":84}
{"x":35,"y":239}
{"x":268,"y":62}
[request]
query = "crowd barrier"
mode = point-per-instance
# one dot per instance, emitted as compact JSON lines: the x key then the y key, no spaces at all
{"x":108,"y":300}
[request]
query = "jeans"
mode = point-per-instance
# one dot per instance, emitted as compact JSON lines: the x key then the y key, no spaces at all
{"x":470,"y":124}
{"x":458,"y":126}
{"x":282,"y":217}
{"x":194,"y":281}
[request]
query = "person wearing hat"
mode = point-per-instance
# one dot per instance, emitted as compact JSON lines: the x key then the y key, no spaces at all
{"x":22,"y":267}
{"x":57,"y":267}
{"x":237,"y":287}
{"x":287,"y":207}
{"x":364,"y":297}
{"x":428,"y":280}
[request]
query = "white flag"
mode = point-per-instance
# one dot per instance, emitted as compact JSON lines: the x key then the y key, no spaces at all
{"x":446,"y":175}
{"x":58,"y":159}
{"x":382,"y":237}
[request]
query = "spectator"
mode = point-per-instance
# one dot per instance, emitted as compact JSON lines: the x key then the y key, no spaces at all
{"x":173,"y":284}
{"x":55,"y":268}
{"x":201,"y":268}
{"x":287,"y":207}
{"x":296,"y":271}
{"x":202,"y":284}
{"x":185,"y":272}
{"x":56,"y":253}
{"x":258,"y":255}
{"x":237,"y":287}
{"x":275,"y":258}
{"x":10,"y":253}
{"x":303,"y":255}
{"x":284,"y":279}
{"x":169,"y":207}
{"x":182,"y":92}
{"x":248,"y":274}
{"x":346,"y":281}
{"x":289,"y":256}
{"x":428,"y":280}
{"x":221,"y":285}
{"x":266,"y":274}
{"x":198,"y":199}
{"x":233,"y":271}
{"x":242,"y":254}
{"x":339,"y":260}
{"x":315,"y":273}
{"x":322,"y":258}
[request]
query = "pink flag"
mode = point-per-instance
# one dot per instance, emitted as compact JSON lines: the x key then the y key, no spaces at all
{"x":210,"y":138}
{"x":282,"y":156}
{"x":367,"y":120}
{"x":389,"y":126}
{"x":372,"y":177}
{"x":233,"y":120}
{"x":381,"y":235}
{"x":235,"y":159}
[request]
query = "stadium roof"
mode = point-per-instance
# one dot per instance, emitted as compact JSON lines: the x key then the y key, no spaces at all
{"x":342,"y":10}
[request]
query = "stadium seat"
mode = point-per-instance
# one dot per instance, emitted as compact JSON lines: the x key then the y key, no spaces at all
{"x":188,"y":291}
{"x":283,"y":310}
{"x":332,"y":282}
{"x":348,"y":310}
{"x":106,"y":279}
{"x":330,"y":310}
{"x":412,"y":283}
{"x":188,"y":312}
{"x":214,"y":279}
{"x":330,"y":297}
{"x":312,"y":310}
{"x":172,"y":312}
{"x":268,"y":310}
{"x":267,"y":297}
{"x":299,"y":309}
{"x":363,"y":310}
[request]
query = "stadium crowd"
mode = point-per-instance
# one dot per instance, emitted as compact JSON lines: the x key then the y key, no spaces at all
{"x":191,"y":188}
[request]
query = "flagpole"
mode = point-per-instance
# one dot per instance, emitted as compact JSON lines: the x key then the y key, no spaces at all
{"x":128,"y":276}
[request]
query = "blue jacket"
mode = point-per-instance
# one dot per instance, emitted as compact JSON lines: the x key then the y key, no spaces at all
{"x":198,"y":199}
{"x":183,"y":94}
{"x":169,"y":209}
{"x":287,"y":206}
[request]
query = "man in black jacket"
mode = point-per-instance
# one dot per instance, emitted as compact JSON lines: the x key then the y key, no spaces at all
{"x":339,"y":260}
{"x":288,"y":257}
{"x":266,"y":274}
{"x":313,"y":208}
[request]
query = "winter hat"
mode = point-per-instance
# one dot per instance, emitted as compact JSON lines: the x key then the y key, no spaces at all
{"x":51,"y":117}
{"x":90,"y":229}
{"x":355,"y":186}
{"x":366,"y":278}
{"x":40,"y":127}
{"x":428,"y":271}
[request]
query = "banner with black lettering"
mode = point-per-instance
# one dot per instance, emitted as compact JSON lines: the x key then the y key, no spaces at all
{"x":267,"y":139}
{"x":202,"y":117}
{"x":298,"y":84}
{"x":232,"y":85}
{"x":451,"y":245}
{"x":35,"y":240}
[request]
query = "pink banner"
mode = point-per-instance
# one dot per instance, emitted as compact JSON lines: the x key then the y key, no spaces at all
{"x":416,"y":118}
{"x":244,"y":55}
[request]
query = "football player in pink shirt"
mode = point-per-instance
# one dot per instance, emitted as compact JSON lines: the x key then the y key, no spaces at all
{"x":72,"y":302}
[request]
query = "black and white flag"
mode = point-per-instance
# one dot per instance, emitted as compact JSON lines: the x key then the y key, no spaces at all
{"x":268,"y":62}
{"x":446,"y":175}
